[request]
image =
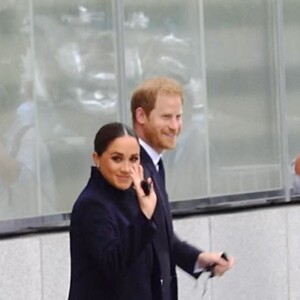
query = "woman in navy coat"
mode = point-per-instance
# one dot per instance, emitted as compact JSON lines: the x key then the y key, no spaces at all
{"x":112,"y":229}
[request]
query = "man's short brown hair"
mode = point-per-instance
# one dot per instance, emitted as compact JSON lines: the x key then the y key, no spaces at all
{"x":146,"y":93}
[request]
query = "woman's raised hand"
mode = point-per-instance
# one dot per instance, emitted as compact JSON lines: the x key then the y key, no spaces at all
{"x":147,"y":202}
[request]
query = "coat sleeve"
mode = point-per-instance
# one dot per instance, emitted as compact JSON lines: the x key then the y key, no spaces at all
{"x":111,"y":248}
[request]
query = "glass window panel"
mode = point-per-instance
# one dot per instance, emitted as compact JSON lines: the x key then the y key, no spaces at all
{"x":18,"y":138}
{"x":59,"y":86}
{"x":241,"y":96}
{"x":76,"y":90}
{"x":292,"y":44}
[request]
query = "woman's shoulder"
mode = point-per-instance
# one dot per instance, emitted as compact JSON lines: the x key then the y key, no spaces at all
{"x":105,"y":199}
{"x":88,"y":198}
{"x":89,"y":207}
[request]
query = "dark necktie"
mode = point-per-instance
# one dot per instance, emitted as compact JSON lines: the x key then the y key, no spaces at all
{"x":161,"y":171}
{"x":161,"y":240}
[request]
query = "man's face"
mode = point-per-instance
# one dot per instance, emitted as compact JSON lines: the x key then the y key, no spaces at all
{"x":164,"y":123}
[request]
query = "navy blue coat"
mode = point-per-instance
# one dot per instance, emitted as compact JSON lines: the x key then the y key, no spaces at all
{"x":110,"y":242}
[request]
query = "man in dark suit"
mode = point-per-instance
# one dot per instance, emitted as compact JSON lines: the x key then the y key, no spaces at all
{"x":156,"y":107}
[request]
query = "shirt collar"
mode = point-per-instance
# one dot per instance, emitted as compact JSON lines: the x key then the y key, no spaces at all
{"x":151,"y":152}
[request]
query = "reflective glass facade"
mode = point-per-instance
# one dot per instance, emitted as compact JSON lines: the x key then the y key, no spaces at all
{"x":67,"y":67}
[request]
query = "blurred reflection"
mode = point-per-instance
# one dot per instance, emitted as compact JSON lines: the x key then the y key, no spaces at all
{"x":189,"y":154}
{"x":24,"y":161}
{"x":76,"y":86}
{"x":76,"y":60}
{"x":168,"y":54}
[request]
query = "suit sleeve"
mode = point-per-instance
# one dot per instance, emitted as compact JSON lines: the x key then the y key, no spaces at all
{"x":111,"y":249}
{"x":185,"y":256}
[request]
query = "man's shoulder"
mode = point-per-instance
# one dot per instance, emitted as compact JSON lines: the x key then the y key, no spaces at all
{"x":145,"y":157}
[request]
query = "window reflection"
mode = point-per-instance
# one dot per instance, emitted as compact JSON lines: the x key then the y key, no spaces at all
{"x":26,"y":175}
{"x":59,"y":83}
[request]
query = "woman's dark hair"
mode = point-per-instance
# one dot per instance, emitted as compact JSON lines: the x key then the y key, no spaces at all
{"x":108,"y":133}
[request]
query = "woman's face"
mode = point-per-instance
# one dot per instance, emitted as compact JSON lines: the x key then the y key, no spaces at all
{"x":117,"y":160}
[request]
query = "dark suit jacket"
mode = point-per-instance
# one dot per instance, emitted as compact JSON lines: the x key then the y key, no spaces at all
{"x":181,"y":253}
{"x":112,"y":255}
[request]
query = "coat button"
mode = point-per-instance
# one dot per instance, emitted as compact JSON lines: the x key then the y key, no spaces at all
{"x":161,"y":282}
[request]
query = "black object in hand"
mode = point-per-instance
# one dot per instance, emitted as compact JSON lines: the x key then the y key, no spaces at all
{"x":146,"y":187}
{"x":211,"y":267}
{"x":224,"y":256}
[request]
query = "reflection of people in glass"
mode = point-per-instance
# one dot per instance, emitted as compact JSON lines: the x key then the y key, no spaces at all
{"x":296,"y":175}
{"x":20,"y":150}
{"x":112,"y":228}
